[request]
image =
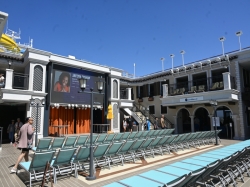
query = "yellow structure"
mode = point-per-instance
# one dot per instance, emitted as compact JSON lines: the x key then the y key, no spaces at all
{"x":110,"y":112}
{"x":8,"y":43}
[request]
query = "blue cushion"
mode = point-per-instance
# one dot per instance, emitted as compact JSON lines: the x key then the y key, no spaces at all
{"x":159,"y":176}
{"x":114,"y":184}
{"x":25,"y":165}
{"x":174,"y":170}
{"x":189,"y":167}
{"x":137,"y":181}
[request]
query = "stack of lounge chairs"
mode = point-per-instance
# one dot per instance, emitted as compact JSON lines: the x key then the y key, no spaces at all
{"x":218,"y":168}
{"x":71,"y":154}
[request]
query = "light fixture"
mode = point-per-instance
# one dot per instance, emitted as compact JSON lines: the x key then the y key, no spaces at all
{"x":222,"y":39}
{"x":182,"y":54}
{"x":100,"y":84}
{"x":172,"y":56}
{"x":162,"y":63}
{"x":82,"y":83}
{"x":9,"y":63}
{"x":239,"y":33}
{"x":43,"y":101}
{"x":32,"y":101}
{"x":72,"y":105}
{"x":76,"y":105}
{"x":69,"y":106}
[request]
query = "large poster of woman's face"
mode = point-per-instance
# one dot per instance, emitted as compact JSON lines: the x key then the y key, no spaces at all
{"x":62,"y":82}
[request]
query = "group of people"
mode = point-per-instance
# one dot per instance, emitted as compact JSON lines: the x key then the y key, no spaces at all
{"x":23,"y":138}
{"x":128,"y":124}
{"x":160,"y":124}
{"x":13,"y":129}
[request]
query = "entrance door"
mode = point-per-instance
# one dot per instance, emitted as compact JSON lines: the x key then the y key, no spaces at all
{"x":183,"y":121}
{"x":203,"y":119}
{"x":225,"y":115}
{"x":11,"y":111}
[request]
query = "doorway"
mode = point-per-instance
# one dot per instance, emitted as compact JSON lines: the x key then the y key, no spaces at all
{"x":203,"y":118}
{"x":183,"y":121}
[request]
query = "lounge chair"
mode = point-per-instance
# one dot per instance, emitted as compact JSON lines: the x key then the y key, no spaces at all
{"x":221,"y":85}
{"x":175,"y":92}
{"x":63,"y":164}
{"x":192,"y":89}
{"x":94,"y":138}
{"x":111,"y":154}
{"x":36,"y":166}
{"x":215,"y":86}
{"x":181,"y":91}
{"x":43,"y":144}
{"x":201,"y":88}
{"x":101,"y":139}
{"x":81,"y":141}
{"x":70,"y":142}
{"x":80,"y":158}
{"x":57,"y":143}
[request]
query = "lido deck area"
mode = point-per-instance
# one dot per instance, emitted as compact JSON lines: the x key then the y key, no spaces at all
{"x":105,"y":176}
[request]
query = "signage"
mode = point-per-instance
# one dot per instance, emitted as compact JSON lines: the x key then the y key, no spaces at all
{"x":216,"y":121}
{"x":190,"y":99}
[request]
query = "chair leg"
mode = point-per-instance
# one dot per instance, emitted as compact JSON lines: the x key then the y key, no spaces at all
{"x":30,"y":179}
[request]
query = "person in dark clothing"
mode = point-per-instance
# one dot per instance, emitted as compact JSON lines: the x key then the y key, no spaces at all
{"x":157,"y":125}
{"x":130,"y":124}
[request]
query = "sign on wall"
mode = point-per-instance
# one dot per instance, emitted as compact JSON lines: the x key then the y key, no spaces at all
{"x":216,"y":121}
{"x":190,"y":99}
{"x":65,"y":86}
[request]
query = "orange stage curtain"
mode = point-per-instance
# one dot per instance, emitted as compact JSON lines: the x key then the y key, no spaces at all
{"x":62,"y":116}
{"x":83,"y":121}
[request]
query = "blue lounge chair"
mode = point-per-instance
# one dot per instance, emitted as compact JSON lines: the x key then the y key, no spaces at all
{"x":70,"y":142}
{"x":43,"y":144}
{"x":57,"y":143}
{"x":36,"y":166}
{"x":81,"y":141}
{"x":81,"y":157}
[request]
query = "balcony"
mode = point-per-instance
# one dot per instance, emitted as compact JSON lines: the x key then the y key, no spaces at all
{"x":20,"y":81}
{"x":221,"y":88}
{"x":126,"y":98}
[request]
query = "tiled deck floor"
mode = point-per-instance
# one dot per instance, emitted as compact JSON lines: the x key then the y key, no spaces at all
{"x":9,"y":154}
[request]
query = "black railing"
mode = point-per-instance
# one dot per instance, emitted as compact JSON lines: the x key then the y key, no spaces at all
{"x":20,"y":81}
{"x":201,"y":85}
{"x":123,"y":94}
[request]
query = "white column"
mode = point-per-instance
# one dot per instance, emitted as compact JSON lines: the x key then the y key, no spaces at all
{"x":129,"y":93}
{"x":165,"y":90}
{"x":192,"y":123}
{"x":226,"y":81}
{"x":211,"y":122}
{"x":31,"y":75}
{"x":175,"y":124}
{"x":235,"y":127}
{"x":9,"y":79}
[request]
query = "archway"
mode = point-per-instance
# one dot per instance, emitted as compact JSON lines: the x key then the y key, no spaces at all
{"x":201,"y":116}
{"x":183,"y":121}
{"x":225,"y":118}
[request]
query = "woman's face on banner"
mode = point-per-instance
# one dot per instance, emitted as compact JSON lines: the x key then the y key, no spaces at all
{"x":65,"y":81}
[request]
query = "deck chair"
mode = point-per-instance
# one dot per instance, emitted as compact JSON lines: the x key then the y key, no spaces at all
{"x":125,"y":136}
{"x":118,"y":137}
{"x":132,"y":150}
{"x":155,"y":133}
{"x":181,"y":91}
{"x":124,"y":149}
{"x":101,"y":139}
{"x":175,"y":144}
{"x":80,"y":158}
{"x":144,"y":134}
{"x":57,"y":143}
{"x":95,"y":137}
{"x":110,"y":138}
{"x":152,"y":145}
{"x":175,"y":92}
{"x":214,"y":86}
{"x":142,"y":149}
{"x":132,"y":135}
{"x":167,"y":145}
{"x":221,"y":85}
{"x":138,"y":134}
{"x":99,"y":155}
{"x":70,"y":142}
{"x":81,"y":141}
{"x":111,"y":153}
{"x":192,"y":89}
{"x":36,"y":166}
{"x":158,"y":148}
{"x":43,"y":145}
{"x":201,"y":88}
{"x":63,"y":164}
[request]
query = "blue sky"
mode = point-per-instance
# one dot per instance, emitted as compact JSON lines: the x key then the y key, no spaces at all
{"x":119,"y":33}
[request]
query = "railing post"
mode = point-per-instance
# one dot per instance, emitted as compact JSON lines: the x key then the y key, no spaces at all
{"x":1,"y":138}
{"x":226,"y":81}
{"x":9,"y":79}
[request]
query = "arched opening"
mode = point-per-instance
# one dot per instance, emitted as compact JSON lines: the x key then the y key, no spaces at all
{"x":225,"y":118}
{"x":183,"y":121}
{"x":201,"y":120}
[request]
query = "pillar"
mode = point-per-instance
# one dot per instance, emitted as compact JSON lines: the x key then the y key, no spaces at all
{"x":9,"y":79}
{"x":129,"y":93}
{"x":226,"y":81}
{"x":165,"y":90}
{"x":236,"y":130}
{"x":211,"y":122}
{"x":192,"y":123}
{"x":175,"y":124}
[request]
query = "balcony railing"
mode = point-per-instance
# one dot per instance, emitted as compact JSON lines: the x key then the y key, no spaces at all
{"x":123,"y":94}
{"x":20,"y":81}
{"x":201,"y":85}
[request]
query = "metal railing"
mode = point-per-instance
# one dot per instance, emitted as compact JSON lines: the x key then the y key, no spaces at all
{"x":201,"y":85}
{"x":20,"y":81}
{"x":123,"y":94}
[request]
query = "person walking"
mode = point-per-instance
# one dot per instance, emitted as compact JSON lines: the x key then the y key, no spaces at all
{"x":124,"y":123}
{"x":157,"y":125}
{"x":11,"y":131}
{"x":163,"y":125}
{"x":148,"y":124}
{"x":24,"y":142}
{"x":129,"y":124}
